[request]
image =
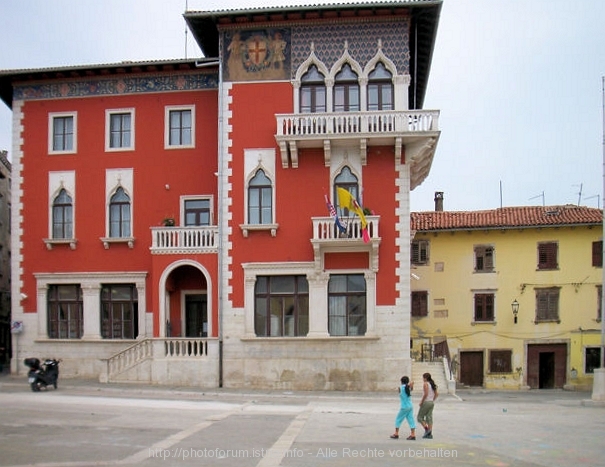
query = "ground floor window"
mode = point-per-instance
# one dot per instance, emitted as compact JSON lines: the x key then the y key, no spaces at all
{"x":500,"y":361}
{"x":592,"y":359}
{"x":347,"y":305}
{"x":119,"y":311}
{"x":281,"y":306}
{"x":65,"y":320}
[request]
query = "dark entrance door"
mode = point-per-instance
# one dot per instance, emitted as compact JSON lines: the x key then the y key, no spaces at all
{"x":546,"y":365}
{"x":196,"y":316}
{"x":546,"y":378}
{"x":471,"y":368}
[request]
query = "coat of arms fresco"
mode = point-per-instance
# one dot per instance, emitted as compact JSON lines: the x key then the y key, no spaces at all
{"x":257,"y":55}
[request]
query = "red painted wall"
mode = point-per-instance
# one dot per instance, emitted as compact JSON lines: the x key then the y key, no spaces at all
{"x":186,"y":171}
{"x":300,"y":192}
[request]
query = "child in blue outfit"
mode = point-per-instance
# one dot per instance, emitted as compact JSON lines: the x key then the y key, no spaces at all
{"x":407,"y":409}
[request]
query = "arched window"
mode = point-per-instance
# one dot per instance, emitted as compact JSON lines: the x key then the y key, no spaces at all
{"x":347,"y":180}
{"x":312,"y":91}
{"x":346,"y":90}
{"x":260,"y":209}
{"x":63,"y":216}
{"x":380,"y":89}
{"x":119,"y":215}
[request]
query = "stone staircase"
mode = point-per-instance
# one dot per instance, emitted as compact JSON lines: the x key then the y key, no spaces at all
{"x":438,"y":373}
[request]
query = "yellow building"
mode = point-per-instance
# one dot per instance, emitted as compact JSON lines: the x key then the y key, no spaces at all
{"x":512,"y":296}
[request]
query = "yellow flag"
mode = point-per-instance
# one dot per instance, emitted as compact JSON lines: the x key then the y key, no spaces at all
{"x":346,"y":201}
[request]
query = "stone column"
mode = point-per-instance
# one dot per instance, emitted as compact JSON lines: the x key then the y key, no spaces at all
{"x":91,"y":304}
{"x":318,"y":304}
{"x":370,"y":278}
{"x":142,"y":304}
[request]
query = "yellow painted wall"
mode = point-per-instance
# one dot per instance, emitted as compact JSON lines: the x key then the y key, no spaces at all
{"x":451,"y":283}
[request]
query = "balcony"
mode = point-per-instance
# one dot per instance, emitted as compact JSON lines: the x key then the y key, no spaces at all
{"x":417,"y":130}
{"x":182,"y":240}
{"x":328,"y":238}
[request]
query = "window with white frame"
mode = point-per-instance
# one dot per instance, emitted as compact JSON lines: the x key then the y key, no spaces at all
{"x":197,"y":211}
{"x":62,"y":216}
{"x":180,"y":127}
{"x":380,"y":89}
{"x":347,"y":180}
{"x":260,"y":199}
{"x":347,"y":305}
{"x":312,"y":91}
{"x":119,"y":124}
{"x":119,"y":215}
{"x":119,"y":311}
{"x":281,"y":306}
{"x":62,"y":133}
{"x":65,"y":311}
{"x":346,"y":90}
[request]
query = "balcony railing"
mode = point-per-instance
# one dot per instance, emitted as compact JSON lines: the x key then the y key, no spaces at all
{"x":325,"y":230}
{"x":170,"y":240}
{"x":357,"y":123}
{"x":375,"y":128}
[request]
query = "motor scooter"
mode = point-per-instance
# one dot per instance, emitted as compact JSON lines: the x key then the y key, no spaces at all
{"x":41,"y":376}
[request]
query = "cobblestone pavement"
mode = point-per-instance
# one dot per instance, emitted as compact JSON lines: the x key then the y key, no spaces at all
{"x":85,"y":423}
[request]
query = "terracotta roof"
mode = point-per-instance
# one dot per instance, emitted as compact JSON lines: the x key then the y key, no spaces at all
{"x":506,"y":218}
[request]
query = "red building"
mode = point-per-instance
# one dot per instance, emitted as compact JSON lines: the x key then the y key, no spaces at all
{"x":170,"y":220}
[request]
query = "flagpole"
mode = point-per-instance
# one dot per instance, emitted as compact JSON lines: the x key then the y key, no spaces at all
{"x":603,"y":264}
{"x":598,"y":383}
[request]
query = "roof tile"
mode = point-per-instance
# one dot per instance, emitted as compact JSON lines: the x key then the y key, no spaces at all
{"x":509,"y":217}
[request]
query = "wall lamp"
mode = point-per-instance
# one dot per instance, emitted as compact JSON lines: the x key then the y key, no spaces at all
{"x":515,"y":307}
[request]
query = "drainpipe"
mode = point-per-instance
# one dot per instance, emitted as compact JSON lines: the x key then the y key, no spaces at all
{"x":221,"y":217}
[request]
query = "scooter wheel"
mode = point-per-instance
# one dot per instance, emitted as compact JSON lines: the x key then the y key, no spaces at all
{"x":35,"y":386}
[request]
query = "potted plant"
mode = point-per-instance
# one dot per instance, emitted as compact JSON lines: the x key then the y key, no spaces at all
{"x":168,"y":222}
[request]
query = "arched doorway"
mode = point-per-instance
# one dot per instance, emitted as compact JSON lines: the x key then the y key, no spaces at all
{"x":185,"y":301}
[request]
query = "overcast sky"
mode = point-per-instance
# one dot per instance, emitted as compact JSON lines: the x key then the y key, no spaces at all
{"x":518,"y":84}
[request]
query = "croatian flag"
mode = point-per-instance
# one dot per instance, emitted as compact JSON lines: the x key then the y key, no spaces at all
{"x":334,"y":215}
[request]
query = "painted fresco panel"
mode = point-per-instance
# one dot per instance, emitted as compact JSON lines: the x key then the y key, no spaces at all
{"x":261,"y":54}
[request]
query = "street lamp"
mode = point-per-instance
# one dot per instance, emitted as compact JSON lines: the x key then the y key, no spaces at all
{"x":515,"y":307}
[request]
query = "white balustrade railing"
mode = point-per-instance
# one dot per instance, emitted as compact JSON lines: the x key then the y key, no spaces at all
{"x":129,"y":357}
{"x":157,"y":348}
{"x":185,"y":347}
{"x":324,"y":228}
{"x":184,"y":239}
{"x":349,"y":123}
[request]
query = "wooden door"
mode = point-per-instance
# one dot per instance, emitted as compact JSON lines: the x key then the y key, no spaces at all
{"x":546,"y":365}
{"x":471,"y":368}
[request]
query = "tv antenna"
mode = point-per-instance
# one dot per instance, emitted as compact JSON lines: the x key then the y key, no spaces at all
{"x":538,"y":196}
{"x":579,"y":193}
{"x":598,"y":200}
{"x":186,"y":8}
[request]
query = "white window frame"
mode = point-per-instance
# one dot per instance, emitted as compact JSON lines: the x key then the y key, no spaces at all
{"x":209,"y":198}
{"x":51,"y":119}
{"x":108,"y":114}
{"x":171,"y":108}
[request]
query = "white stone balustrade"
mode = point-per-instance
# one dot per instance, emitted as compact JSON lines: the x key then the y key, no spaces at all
{"x":325,"y":229}
{"x":165,"y":240}
{"x":358,"y":123}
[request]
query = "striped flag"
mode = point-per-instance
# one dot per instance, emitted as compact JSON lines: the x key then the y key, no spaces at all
{"x":334,"y":215}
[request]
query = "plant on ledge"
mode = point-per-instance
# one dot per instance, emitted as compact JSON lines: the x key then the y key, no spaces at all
{"x":168,"y":222}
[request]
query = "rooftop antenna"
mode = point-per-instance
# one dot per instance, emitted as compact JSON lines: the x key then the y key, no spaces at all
{"x":598,"y":200}
{"x":538,"y":196}
{"x":579,"y":193}
{"x":186,"y":8}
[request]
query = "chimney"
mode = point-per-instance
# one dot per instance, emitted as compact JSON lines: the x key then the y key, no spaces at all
{"x":439,"y":201}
